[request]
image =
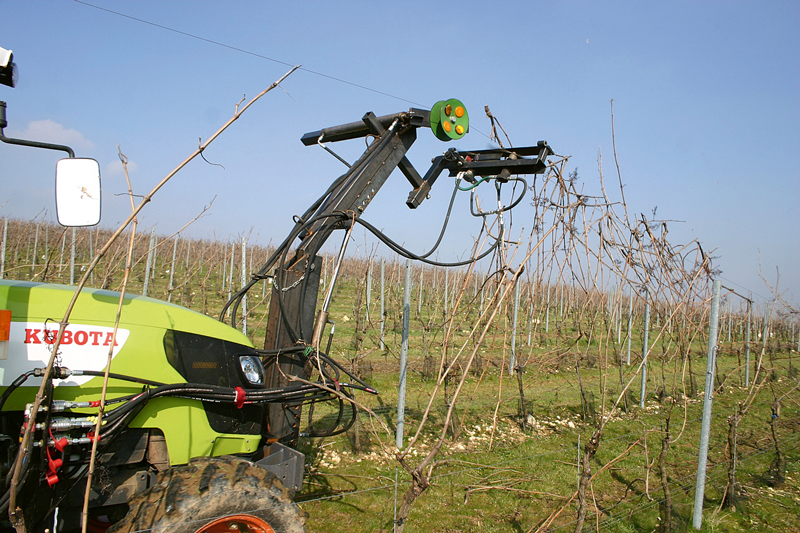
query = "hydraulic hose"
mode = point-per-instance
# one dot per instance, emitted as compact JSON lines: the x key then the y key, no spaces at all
{"x":14,"y":386}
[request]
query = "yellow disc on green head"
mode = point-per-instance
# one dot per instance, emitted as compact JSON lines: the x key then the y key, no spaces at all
{"x":449,"y":119}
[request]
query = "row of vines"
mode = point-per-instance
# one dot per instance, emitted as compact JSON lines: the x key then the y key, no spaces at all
{"x":557,"y":385}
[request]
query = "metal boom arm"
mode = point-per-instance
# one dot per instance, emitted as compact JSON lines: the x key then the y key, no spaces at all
{"x":291,"y":327}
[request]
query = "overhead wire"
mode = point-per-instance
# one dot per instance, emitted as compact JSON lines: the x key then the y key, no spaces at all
{"x":244,"y":51}
{"x":266,"y":58}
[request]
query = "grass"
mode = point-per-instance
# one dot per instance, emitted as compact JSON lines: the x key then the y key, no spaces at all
{"x":513,"y":481}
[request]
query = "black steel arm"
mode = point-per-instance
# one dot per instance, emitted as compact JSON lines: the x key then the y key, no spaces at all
{"x":362,"y":181}
{"x":415,"y":117}
{"x":25,"y":142}
{"x":495,"y":162}
{"x":291,"y":321}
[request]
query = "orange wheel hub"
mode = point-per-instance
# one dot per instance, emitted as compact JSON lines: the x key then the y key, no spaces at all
{"x":240,"y":523}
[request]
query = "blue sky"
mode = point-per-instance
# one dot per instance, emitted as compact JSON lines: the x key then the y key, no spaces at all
{"x":706,"y":107}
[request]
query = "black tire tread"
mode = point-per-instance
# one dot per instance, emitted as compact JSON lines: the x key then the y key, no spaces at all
{"x":186,"y":497}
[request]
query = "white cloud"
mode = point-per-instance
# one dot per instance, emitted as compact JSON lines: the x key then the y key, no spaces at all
{"x":52,"y":132}
{"x":114,"y":168}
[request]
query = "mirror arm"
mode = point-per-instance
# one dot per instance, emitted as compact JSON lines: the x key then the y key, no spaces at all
{"x":36,"y":144}
{"x":24,"y":142}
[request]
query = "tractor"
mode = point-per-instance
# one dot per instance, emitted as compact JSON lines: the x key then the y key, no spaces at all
{"x":200,"y":428}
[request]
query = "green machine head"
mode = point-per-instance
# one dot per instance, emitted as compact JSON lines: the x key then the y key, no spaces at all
{"x":449,"y":119}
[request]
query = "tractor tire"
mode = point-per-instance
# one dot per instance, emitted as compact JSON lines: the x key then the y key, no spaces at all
{"x":214,"y":495}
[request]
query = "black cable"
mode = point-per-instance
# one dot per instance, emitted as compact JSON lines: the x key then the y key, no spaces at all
{"x":283,"y":250}
{"x":119,"y":418}
{"x":333,"y":431}
{"x":446,"y":219}
{"x":121,"y":377}
{"x":264,"y":270}
{"x":209,"y":393}
{"x":509,"y":207}
{"x":329,"y":432}
{"x":325,"y":358}
{"x":400,"y":250}
{"x":14,"y":386}
{"x":352,"y":376}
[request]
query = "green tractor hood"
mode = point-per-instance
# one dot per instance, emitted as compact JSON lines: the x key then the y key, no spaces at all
{"x":143,"y":349}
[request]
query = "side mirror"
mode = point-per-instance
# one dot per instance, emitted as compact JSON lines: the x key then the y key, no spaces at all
{"x":78,"y":192}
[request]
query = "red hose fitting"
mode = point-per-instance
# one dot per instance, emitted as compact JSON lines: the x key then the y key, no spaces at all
{"x":240,"y":396}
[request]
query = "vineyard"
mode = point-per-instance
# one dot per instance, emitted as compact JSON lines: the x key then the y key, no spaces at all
{"x":557,"y":385}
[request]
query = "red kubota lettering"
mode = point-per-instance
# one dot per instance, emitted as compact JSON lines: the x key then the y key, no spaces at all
{"x":31,"y":336}
{"x":109,"y":336}
{"x":80,"y":338}
{"x":95,"y":337}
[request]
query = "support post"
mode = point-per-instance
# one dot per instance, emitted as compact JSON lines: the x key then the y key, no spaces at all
{"x":446,"y":292}
{"x":72,"y":259}
{"x":150,"y":251}
{"x":36,"y":245}
{"x":401,"y":396}
{"x":419,"y":291}
{"x":369,"y":288}
{"x":171,"y":285}
{"x":728,"y":310}
{"x":747,"y":346}
{"x":3,"y":249}
{"x":244,"y":282}
{"x":630,"y":325}
{"x":644,"y":347}
{"x":61,"y":257}
{"x":383,"y":301}
{"x":618,"y":309}
{"x":91,"y":254}
{"x":224,"y":265}
{"x":702,"y":460}
{"x":512,"y":363}
{"x":530,"y":312}
{"x":230,"y":272}
{"x":547,"y":312}
{"x":480,"y":308}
